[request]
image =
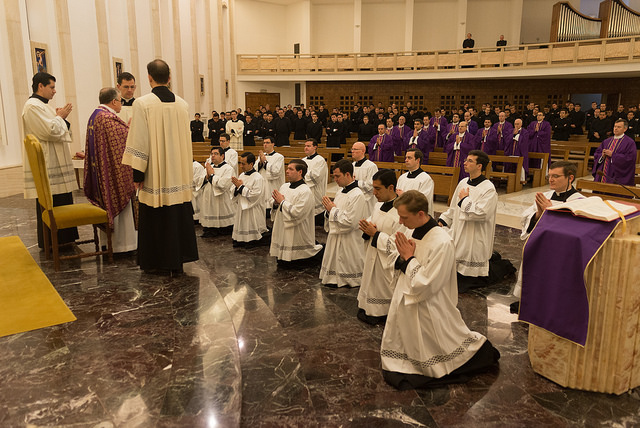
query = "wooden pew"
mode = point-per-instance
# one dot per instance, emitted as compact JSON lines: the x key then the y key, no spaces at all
{"x":539,"y":174}
{"x":607,"y":190}
{"x":578,"y":153}
{"x":445,"y":178}
{"x":437,"y":158}
{"x":513,"y":178}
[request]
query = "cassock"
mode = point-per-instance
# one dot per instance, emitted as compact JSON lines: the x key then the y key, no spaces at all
{"x":457,"y":148}
{"x":561,"y":129}
{"x":486,"y":140}
{"x":381,"y":149}
{"x":363,"y":171}
{"x":197,"y":129}
{"x":231,"y":157}
{"x":420,"y":142}
{"x":294,"y":232}
{"x":418,"y":180}
{"x":528,"y":222}
{"x":299,"y":128}
{"x":40,"y":119}
{"x":366,"y":131}
{"x":283,"y":129}
{"x":518,"y":146}
{"x":249,"y":222}
{"x":199,"y":174}
{"x":344,"y":253}
{"x":267,"y":128}
{"x":620,"y":168}
{"x":425,"y":339}
{"x":334,"y":133}
{"x":440,"y":125}
{"x":108,"y":183}
{"x":235,"y":129}
{"x":250,"y":130}
{"x":314,"y":130}
{"x":216,"y":209}
{"x":316,"y":178}
{"x":472,"y":224}
{"x":472,"y":127}
{"x":166,"y":234}
{"x":378,"y":280}
{"x":504,"y":131}
{"x":400,"y":136}
{"x":273,"y":173}
{"x":216,"y":128}
{"x":602,"y":127}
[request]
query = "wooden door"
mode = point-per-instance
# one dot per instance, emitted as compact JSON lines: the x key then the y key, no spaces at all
{"x":256,"y":99}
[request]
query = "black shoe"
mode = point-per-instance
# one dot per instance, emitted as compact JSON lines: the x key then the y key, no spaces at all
{"x":514,"y":308}
{"x":371,"y":320}
{"x":331,"y":285}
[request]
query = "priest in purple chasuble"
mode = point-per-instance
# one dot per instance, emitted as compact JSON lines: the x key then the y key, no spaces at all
{"x":380,"y":147}
{"x":539,"y":137}
{"x":439,"y":123}
{"x":458,"y":147}
{"x":400,"y":135}
{"x":487,"y":138}
{"x":504,"y":130}
{"x":107,"y":182}
{"x":615,"y":159}
{"x":518,"y":146}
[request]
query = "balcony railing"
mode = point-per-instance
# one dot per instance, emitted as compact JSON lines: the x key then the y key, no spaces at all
{"x":585,"y":52}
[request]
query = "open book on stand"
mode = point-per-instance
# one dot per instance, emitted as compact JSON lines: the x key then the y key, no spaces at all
{"x":596,"y":208}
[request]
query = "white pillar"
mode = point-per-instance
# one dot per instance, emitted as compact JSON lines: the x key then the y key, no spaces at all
{"x":408,"y":25}
{"x":515,"y":20}
{"x":357,"y":25}
{"x":461,"y":23}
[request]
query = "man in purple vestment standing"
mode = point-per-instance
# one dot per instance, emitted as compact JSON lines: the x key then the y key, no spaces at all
{"x":400,"y":135}
{"x":486,"y":138}
{"x":419,"y":140}
{"x":108,"y":183}
{"x":518,"y":146}
{"x":458,"y":147}
{"x":539,"y":137}
{"x":504,"y":130}
{"x":439,"y":124}
{"x":615,"y":159}
{"x":381,"y":146}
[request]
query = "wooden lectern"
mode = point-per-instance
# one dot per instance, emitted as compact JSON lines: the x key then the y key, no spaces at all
{"x":610,"y":360}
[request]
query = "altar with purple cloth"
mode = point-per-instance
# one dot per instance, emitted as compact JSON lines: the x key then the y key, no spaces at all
{"x":581,"y":297}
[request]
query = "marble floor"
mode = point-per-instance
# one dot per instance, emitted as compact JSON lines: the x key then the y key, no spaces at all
{"x":238,"y":342}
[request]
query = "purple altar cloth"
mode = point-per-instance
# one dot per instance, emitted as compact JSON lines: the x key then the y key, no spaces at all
{"x":554,"y":295}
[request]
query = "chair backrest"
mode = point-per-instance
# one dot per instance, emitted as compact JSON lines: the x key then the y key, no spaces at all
{"x":33,"y":148}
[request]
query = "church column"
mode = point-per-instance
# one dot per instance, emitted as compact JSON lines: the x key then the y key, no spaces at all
{"x":357,"y":25}
{"x":408,"y":25}
{"x":196,"y":65}
{"x":461,"y":23}
{"x":133,"y":43}
{"x":177,"y":79}
{"x":67,"y":68}
{"x":515,"y":21}
{"x":209,"y":89}
{"x":221,"y":57}
{"x":103,"y":43}
{"x":19,"y":74}
{"x":232,"y":56}
{"x":155,"y":28}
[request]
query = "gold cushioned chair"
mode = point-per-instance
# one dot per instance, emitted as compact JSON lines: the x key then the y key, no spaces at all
{"x":63,"y":216}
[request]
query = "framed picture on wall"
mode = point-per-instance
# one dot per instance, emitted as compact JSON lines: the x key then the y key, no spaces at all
{"x":118,"y":68}
{"x":40,"y":58}
{"x":201,"y":84}
{"x":226,"y":88}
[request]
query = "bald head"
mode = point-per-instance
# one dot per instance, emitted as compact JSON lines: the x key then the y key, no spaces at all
{"x":517,"y":123}
{"x":357,"y":151}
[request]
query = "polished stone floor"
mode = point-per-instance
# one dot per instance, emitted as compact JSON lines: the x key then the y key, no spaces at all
{"x":237,"y":342}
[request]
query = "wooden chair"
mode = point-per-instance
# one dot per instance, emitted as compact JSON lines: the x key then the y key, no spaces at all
{"x":513,"y":178}
{"x":607,"y":190}
{"x":63,"y":216}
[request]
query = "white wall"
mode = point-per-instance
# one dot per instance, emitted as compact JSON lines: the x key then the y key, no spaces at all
{"x":298,"y":25}
{"x":487,"y":19}
{"x":332,"y":27}
{"x":261,"y":27}
{"x":435,"y":25}
{"x":383,"y":25}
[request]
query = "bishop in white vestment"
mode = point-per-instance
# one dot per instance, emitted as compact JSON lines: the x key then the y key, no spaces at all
{"x":343,"y":259}
{"x":425,"y":341}
{"x":217,"y":211}
{"x":249,"y":223}
{"x":294,"y":238}
{"x":363,"y":170}
{"x":471,"y":218}
{"x":378,"y":280}
{"x":317,"y":175}
{"x":416,"y":178}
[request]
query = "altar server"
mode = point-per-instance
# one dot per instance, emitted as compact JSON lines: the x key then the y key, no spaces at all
{"x":416,"y":178}
{"x":216,"y":209}
{"x":249,"y":223}
{"x":363,"y":171}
